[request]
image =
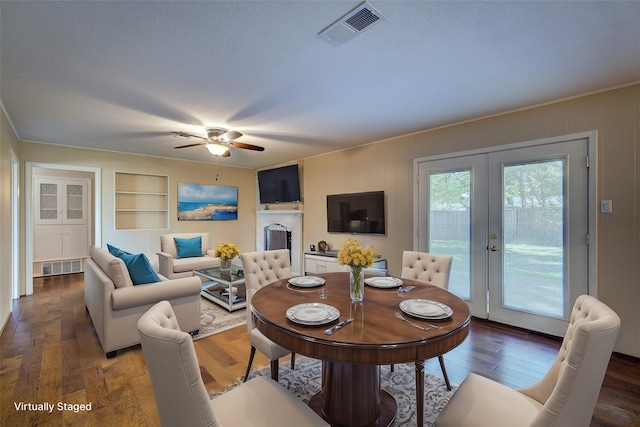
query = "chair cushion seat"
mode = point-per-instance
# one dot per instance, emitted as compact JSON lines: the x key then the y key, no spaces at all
{"x":263,"y":402}
{"x":481,"y":402}
{"x":189,"y":264}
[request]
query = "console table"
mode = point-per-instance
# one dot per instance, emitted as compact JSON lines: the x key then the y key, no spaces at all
{"x":327,"y":262}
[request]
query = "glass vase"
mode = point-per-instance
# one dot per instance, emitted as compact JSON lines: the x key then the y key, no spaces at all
{"x":225,"y":264}
{"x":356,"y":284}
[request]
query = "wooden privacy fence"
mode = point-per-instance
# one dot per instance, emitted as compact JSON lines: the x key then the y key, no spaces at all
{"x":533,"y":226}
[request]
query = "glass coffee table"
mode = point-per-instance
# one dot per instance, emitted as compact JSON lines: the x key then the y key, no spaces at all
{"x":224,"y":288}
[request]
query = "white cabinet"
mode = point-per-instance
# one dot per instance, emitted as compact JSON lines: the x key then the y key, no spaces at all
{"x":328,"y":263}
{"x":61,"y":219}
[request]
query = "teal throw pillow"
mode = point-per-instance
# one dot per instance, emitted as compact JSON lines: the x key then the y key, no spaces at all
{"x":116,"y":251}
{"x":140,"y":269}
{"x":188,"y":248}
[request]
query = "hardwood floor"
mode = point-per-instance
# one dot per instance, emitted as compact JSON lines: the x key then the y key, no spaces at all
{"x":50,"y":353}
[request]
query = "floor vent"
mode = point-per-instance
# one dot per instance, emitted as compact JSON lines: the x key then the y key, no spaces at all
{"x":352,"y":24}
{"x":54,"y":268}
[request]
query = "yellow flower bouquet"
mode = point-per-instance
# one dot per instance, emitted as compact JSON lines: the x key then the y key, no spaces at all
{"x":357,"y":258}
{"x":226,"y":252}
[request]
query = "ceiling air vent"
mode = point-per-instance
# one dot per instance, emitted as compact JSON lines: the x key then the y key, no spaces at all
{"x":352,"y":24}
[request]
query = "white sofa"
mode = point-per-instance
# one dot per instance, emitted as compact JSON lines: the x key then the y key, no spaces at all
{"x":172,"y":267}
{"x":115,"y":304}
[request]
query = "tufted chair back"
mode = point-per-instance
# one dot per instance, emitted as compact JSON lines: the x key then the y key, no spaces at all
{"x":425,"y":267}
{"x":181,"y":397}
{"x":262,"y":268}
{"x":570,"y":389}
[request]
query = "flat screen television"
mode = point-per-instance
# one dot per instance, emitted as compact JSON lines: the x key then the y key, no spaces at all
{"x":279,"y":185}
{"x":356,"y":213}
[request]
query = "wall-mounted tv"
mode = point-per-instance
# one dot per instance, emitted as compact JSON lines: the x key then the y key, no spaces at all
{"x":356,"y":213}
{"x":279,"y":185}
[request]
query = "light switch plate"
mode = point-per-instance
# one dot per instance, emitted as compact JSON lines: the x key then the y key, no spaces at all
{"x":606,"y":206}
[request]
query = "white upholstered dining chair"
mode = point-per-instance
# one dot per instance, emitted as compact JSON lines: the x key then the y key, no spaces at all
{"x":261,"y":269}
{"x":180,"y":394}
{"x":430,"y":268}
{"x":566,"y":396}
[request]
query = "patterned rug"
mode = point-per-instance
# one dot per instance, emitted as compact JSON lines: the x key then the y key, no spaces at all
{"x":305,"y":381}
{"x":214,"y":319}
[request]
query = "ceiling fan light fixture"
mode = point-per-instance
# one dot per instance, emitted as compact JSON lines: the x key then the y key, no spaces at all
{"x":217,"y":149}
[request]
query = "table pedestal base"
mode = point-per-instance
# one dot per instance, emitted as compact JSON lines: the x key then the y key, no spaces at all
{"x":351,"y":397}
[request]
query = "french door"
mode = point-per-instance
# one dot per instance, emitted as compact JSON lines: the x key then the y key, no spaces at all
{"x":516,"y":223}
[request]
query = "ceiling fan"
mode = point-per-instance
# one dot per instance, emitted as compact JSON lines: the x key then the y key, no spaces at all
{"x":218,"y":141}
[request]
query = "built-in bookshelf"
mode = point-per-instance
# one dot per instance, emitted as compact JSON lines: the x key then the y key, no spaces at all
{"x":141,"y":201}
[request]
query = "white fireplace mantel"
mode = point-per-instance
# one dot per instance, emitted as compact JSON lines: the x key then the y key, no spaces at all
{"x":292,"y":219}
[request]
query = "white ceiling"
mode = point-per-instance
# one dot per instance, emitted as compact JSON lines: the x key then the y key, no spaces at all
{"x":121,"y":75}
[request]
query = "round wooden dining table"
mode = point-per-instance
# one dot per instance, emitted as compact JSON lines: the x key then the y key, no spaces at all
{"x":351,"y":357}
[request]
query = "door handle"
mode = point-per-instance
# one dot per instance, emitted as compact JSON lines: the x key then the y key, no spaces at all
{"x":493,"y":248}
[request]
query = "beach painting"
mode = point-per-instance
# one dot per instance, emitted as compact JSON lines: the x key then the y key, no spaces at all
{"x":197,"y":202}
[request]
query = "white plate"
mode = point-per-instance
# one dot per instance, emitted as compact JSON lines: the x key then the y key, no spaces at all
{"x":426,"y":309}
{"x":383,"y":282}
{"x":306,"y":281}
{"x":313,"y":313}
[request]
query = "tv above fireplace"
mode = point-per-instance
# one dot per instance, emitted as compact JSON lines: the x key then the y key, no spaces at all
{"x":356,"y":213}
{"x":279,"y":185}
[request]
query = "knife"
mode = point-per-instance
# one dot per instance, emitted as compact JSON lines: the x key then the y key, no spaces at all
{"x":337,"y":326}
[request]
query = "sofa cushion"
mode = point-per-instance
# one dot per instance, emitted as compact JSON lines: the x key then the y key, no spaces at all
{"x":113,"y":267}
{"x":188,"y":248}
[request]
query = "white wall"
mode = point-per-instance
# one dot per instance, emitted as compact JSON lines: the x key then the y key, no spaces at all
{"x":8,"y":144}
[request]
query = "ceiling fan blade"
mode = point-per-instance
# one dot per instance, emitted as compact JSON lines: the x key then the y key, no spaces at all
{"x":230,"y":136}
{"x":245,"y":146}
{"x":191,"y":145}
{"x":187,"y":135}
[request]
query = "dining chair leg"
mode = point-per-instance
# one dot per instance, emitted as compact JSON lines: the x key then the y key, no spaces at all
{"x":444,"y":372}
{"x":420,"y":392}
{"x":274,"y":369}
{"x":293,"y":361}
{"x":253,"y":353}
{"x":391,"y":366}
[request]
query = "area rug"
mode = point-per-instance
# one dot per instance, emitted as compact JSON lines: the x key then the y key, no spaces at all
{"x":214,"y":319}
{"x":305,"y":381}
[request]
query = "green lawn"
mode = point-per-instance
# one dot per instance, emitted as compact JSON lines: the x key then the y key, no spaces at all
{"x":534,"y":274}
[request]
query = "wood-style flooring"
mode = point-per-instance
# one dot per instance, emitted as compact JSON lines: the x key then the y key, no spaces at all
{"x":50,"y":353}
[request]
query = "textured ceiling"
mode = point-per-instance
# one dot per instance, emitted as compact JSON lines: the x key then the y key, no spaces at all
{"x":121,"y":75}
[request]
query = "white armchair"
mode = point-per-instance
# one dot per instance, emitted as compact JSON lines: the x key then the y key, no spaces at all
{"x":260,"y":269}
{"x":172,"y":266}
{"x":180,"y":394}
{"x":565,"y":396}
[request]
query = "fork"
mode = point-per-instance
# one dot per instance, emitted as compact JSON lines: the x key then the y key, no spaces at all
{"x":401,"y":317}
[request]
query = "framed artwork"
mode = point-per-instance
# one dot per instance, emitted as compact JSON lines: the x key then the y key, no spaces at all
{"x":197,"y":202}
